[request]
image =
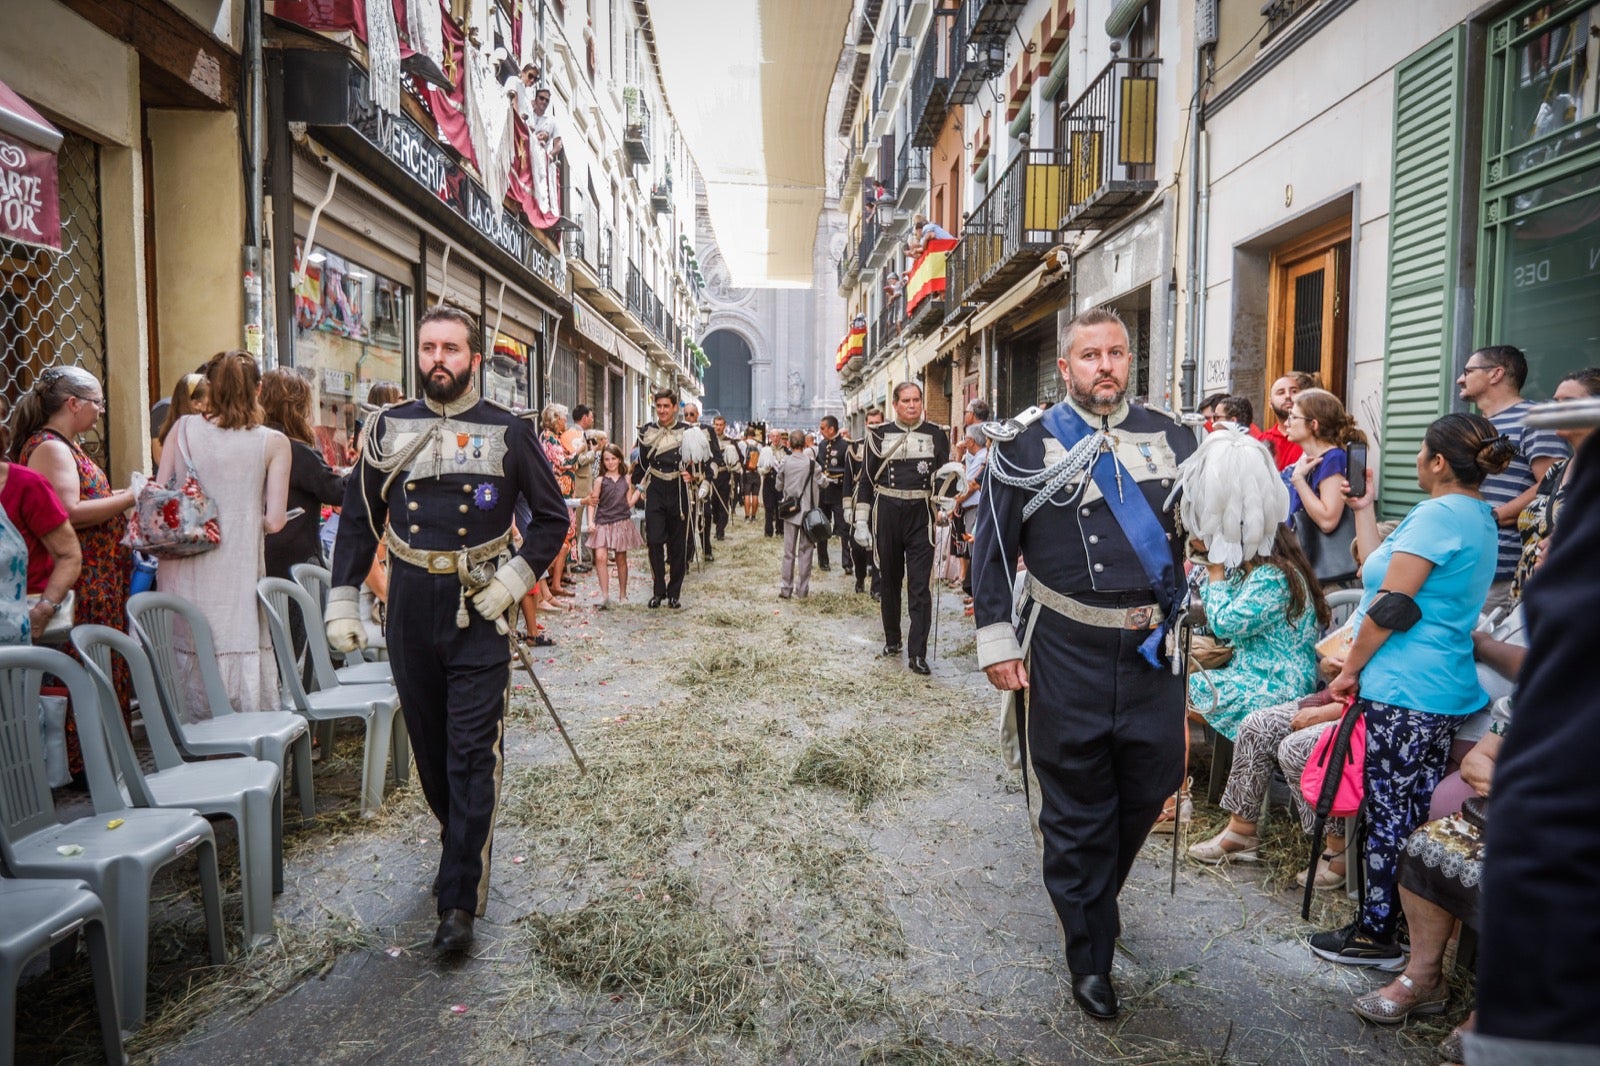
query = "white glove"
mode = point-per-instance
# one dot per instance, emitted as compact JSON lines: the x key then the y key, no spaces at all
{"x":510,"y":583}
{"x":862,"y":535}
{"x":346,"y":635}
{"x":342,"y":619}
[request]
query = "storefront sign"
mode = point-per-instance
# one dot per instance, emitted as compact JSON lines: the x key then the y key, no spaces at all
{"x":405,"y":143}
{"x":591,"y":325}
{"x":30,"y":207}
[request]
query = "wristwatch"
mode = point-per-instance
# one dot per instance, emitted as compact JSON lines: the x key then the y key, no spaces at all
{"x":55,"y":606}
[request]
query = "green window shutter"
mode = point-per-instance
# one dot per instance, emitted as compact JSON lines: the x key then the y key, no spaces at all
{"x":1429,"y":122}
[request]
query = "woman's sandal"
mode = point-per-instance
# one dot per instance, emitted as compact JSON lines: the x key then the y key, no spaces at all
{"x":1165,"y":822}
{"x":1327,"y":876}
{"x":1376,"y":1007}
{"x":1215,"y":852}
{"x":1451,"y":1048}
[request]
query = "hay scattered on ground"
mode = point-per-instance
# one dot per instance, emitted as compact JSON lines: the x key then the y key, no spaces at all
{"x":864,"y":764}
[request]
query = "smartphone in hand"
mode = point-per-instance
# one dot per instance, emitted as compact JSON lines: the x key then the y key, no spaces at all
{"x":1356,"y":473}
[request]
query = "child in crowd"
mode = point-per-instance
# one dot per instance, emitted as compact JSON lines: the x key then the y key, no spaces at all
{"x":614,"y":532}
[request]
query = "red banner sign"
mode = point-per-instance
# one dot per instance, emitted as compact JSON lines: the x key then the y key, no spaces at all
{"x":30,"y":208}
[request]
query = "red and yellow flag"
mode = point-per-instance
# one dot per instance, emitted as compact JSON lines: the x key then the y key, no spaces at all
{"x":927,"y":273}
{"x":856,"y":343}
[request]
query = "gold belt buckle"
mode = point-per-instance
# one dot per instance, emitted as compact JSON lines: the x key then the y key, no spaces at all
{"x":441,"y":563}
{"x":1138,"y":617}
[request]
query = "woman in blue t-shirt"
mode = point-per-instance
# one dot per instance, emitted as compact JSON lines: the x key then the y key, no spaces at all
{"x":1411,"y":666}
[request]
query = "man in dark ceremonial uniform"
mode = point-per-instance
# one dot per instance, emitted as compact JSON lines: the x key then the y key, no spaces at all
{"x":724,"y":482}
{"x":894,"y":498}
{"x":668,"y":495}
{"x":445,"y":472}
{"x":1538,"y":987}
{"x":860,"y":549}
{"x":1098,"y":714}
{"x":833,"y":459}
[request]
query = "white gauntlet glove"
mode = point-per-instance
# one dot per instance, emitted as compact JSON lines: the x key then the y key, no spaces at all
{"x":342,"y":619}
{"x":862,"y":533}
{"x":510,"y":583}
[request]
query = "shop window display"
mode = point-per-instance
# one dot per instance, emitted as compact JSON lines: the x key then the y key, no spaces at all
{"x":505,"y":374}
{"x":350,"y":336}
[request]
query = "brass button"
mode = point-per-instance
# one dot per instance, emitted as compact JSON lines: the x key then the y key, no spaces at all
{"x":463,"y":508}
{"x":1084,"y":511}
{"x":461,"y":532}
{"x":466,"y":488}
{"x":1166,"y":482}
{"x":416,"y":529}
{"x":410,"y":485}
{"x":412,"y":506}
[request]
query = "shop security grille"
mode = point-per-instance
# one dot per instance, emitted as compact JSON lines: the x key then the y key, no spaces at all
{"x":52,"y":304}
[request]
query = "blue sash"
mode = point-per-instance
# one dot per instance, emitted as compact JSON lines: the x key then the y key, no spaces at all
{"x":1135,"y":516}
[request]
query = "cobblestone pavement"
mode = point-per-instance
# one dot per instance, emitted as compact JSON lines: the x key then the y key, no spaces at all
{"x":786,"y":850}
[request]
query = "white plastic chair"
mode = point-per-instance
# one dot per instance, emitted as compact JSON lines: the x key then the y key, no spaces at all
{"x":245,"y":789}
{"x":40,"y":915}
{"x":119,"y":849}
{"x":378,"y":706}
{"x":269,"y":734}
{"x":1342,"y":603}
{"x":317,"y":581}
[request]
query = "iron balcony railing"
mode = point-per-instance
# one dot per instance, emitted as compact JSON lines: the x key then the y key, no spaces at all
{"x":1015,"y":222}
{"x":870,"y":232}
{"x":930,"y":85}
{"x":1109,"y":136}
{"x":636,"y":125}
{"x":638,"y":296}
{"x":602,"y":259}
{"x":575,"y":245}
{"x":891,"y":318}
{"x":1279,"y":13}
{"x":910,"y":171}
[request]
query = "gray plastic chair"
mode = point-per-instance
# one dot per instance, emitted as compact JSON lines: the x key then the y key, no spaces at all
{"x":1342,"y":603}
{"x":41,"y":914}
{"x":317,"y":581}
{"x":378,"y":706}
{"x":118,"y":863}
{"x":269,"y":734}
{"x":243,"y":788}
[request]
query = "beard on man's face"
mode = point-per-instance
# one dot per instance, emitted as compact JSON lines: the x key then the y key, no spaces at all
{"x":442,"y":386}
{"x":1094,"y":398}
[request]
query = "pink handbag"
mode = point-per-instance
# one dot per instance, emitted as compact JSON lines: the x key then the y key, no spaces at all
{"x":1342,"y":753}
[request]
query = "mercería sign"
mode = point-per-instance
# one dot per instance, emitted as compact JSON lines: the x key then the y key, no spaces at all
{"x":426,"y":162}
{"x":30,"y":209}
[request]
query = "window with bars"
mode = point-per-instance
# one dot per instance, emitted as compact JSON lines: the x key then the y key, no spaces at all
{"x":52,"y":304}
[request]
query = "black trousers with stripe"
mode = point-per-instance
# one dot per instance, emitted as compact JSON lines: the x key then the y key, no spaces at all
{"x":1102,"y":746}
{"x":452,"y":684}
{"x":902,"y":531}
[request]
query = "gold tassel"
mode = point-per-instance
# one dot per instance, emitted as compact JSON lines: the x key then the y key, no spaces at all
{"x":461,"y":610}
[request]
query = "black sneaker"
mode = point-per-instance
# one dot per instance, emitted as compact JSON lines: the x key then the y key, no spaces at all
{"x":1351,"y":947}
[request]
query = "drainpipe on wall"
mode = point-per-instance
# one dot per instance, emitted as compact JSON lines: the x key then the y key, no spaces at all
{"x":1199,"y":208}
{"x":257,"y":325}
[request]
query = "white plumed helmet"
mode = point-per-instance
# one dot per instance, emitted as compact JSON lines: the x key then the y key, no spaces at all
{"x":1233,"y":498}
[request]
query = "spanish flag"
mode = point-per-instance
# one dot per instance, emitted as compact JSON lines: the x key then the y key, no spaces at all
{"x":856,"y":343}
{"x":839,"y":356}
{"x":927,"y":273}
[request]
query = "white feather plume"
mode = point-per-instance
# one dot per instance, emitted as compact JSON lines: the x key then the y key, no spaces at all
{"x":1233,"y":498}
{"x":697,"y":445}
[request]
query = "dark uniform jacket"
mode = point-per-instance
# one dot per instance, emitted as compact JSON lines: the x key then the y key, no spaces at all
{"x":900,"y":458}
{"x":833,"y":458}
{"x":459,"y":491}
{"x":1079,"y":550}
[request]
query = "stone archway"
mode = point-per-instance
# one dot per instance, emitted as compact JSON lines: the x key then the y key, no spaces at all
{"x":728,"y":379}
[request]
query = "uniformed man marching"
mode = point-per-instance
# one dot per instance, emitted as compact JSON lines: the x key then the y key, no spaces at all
{"x":894,"y":499}
{"x":724,"y":481}
{"x":446,"y":471}
{"x":1079,"y":494}
{"x":833,"y":458}
{"x":703,"y":491}
{"x":861,"y":553}
{"x":667,"y":486}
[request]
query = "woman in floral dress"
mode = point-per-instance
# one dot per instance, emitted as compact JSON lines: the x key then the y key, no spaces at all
{"x":64,"y":402}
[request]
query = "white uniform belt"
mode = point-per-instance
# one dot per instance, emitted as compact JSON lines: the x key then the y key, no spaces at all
{"x":1145,"y":616}
{"x":458,"y":561}
{"x":906,"y":494}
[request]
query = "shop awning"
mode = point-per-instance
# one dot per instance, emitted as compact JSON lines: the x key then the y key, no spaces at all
{"x":30,"y":207}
